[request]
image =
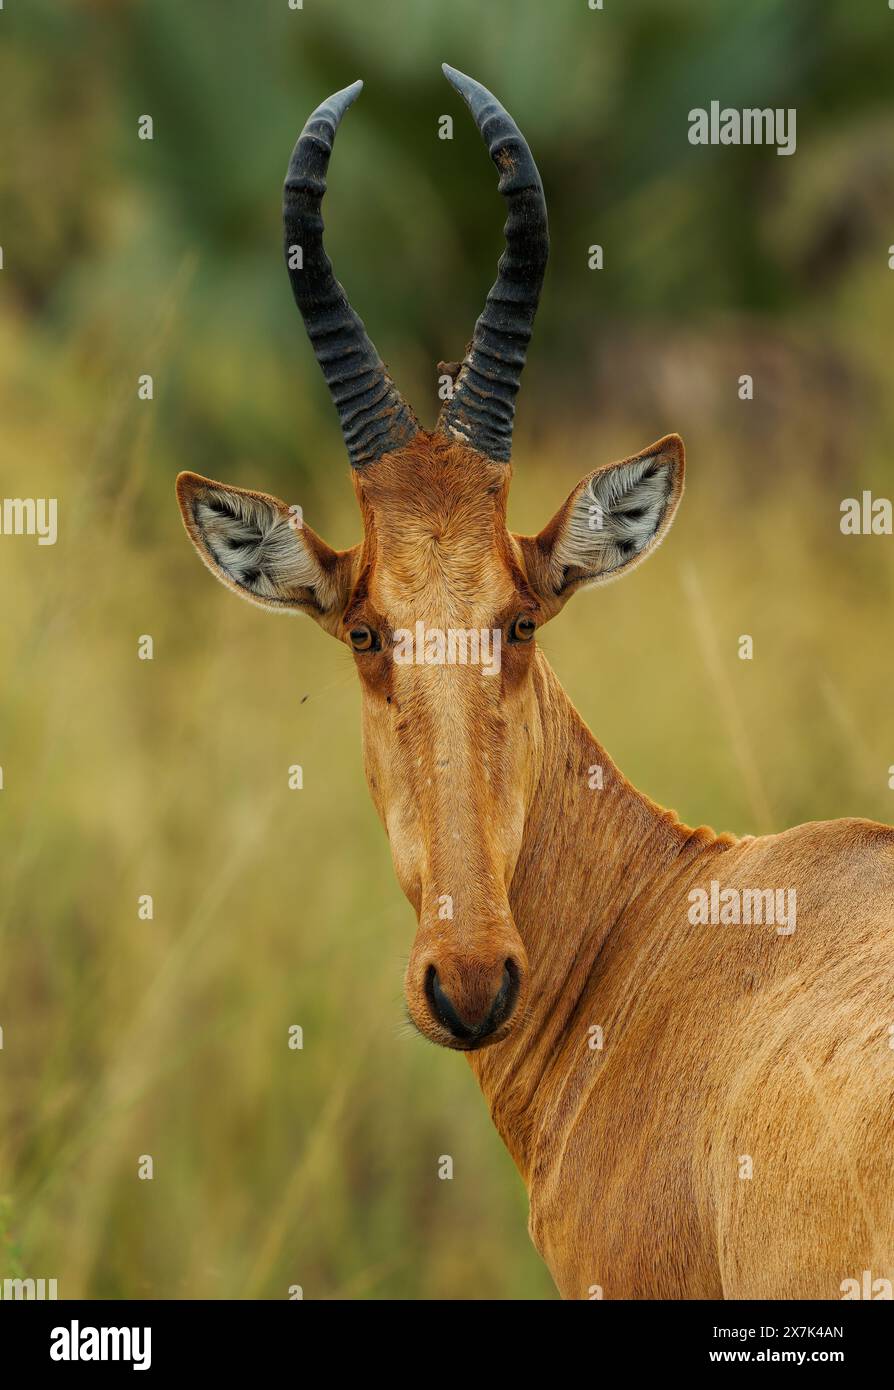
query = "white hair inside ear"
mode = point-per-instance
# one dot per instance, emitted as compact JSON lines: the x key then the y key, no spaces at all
{"x":615,"y":516}
{"x":254,"y":543}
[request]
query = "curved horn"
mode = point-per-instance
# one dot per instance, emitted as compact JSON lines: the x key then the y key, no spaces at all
{"x":482,"y":409}
{"x":374,"y":419}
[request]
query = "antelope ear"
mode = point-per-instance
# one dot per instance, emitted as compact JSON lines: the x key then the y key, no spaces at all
{"x":608,"y":524}
{"x":259,"y":547}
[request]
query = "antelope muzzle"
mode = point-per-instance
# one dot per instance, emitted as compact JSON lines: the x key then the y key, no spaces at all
{"x":466,"y":997}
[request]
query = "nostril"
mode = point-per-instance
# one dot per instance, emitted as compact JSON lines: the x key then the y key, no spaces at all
{"x":442,"y":1008}
{"x":508,"y":993}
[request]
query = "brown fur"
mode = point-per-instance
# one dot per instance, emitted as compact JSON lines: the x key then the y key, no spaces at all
{"x":720,"y":1042}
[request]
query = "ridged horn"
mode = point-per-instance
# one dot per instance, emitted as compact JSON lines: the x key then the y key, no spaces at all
{"x":374,"y":418}
{"x":481,"y":411}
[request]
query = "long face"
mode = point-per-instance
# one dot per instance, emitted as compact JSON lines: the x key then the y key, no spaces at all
{"x":449,"y":724}
{"x":440,"y":603}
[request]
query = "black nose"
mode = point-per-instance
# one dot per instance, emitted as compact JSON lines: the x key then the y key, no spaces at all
{"x":460,"y":1020}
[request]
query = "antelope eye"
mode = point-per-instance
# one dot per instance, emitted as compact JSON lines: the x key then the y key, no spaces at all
{"x":522,"y":629}
{"x":362,"y":638}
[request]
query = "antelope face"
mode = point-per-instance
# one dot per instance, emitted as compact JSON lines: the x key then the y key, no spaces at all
{"x":442,"y":632}
{"x":440,"y":603}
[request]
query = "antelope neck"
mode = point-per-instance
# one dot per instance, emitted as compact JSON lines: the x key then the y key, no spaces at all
{"x":592,"y":858}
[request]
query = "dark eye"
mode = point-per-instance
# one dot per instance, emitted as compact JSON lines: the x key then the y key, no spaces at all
{"x":522,"y":629}
{"x":363,"y":639}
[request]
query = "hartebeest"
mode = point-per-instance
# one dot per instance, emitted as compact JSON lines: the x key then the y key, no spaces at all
{"x":685,"y":1039}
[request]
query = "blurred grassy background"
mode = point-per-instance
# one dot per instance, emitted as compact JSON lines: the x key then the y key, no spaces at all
{"x":123,"y":777}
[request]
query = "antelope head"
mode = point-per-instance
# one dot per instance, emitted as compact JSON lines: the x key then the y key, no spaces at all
{"x":439,"y":602}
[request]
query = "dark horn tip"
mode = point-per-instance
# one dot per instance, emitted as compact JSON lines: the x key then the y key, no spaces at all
{"x":337,"y":104}
{"x":332,"y":109}
{"x":465,"y":85}
{"x":343,"y":99}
